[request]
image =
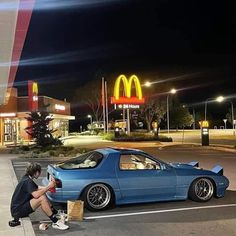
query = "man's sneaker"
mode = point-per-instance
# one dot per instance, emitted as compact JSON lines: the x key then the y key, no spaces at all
{"x":60,"y":225}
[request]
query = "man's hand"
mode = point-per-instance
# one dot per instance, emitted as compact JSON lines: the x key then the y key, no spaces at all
{"x":51,"y":184}
{"x":42,"y":190}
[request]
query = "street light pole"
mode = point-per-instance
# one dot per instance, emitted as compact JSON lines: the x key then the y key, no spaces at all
{"x":167,"y":111}
{"x":218,"y":99}
{"x":232,"y":115}
{"x":172,"y":91}
{"x":91,"y":119}
{"x":206,"y":108}
{"x":194,"y":118}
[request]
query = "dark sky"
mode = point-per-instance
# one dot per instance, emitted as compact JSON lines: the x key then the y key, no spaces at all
{"x":188,"y":43}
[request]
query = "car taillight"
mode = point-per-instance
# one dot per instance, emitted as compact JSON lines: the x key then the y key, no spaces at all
{"x":58,"y":183}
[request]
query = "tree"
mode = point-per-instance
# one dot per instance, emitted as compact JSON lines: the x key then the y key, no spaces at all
{"x":90,"y":95}
{"x":153,"y":109}
{"x":39,"y":129}
{"x":180,"y":117}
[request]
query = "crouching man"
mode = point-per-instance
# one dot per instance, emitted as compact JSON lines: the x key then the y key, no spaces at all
{"x":28,"y":196}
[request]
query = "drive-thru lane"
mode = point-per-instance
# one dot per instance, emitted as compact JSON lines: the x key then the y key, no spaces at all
{"x":215,"y":217}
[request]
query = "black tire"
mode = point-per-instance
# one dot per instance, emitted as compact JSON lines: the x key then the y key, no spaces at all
{"x":201,"y":190}
{"x":97,"y":197}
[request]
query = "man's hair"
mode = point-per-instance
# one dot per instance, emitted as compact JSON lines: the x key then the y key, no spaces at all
{"x":33,"y":168}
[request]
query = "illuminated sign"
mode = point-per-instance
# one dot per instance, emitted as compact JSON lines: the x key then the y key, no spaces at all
{"x":35,"y":88}
{"x":204,"y":123}
{"x":7,"y":114}
{"x":127,"y":98}
{"x":60,"y":107}
{"x":127,"y":106}
{"x":33,"y":95}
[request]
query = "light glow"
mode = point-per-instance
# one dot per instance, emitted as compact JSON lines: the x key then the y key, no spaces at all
{"x":147,"y":84}
{"x":8,"y":114}
{"x":43,"y":5}
{"x":60,"y":107}
{"x":128,"y":106}
{"x":220,"y":99}
{"x":173,"y":91}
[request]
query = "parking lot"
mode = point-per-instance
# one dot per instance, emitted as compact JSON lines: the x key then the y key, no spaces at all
{"x":216,"y":217}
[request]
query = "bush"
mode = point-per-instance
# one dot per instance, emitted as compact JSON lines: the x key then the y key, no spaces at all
{"x":135,"y":137}
{"x":109,"y":136}
{"x":49,"y":151}
{"x":24,"y":148}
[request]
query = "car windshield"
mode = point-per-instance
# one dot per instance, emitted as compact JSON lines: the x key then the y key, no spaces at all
{"x":83,"y":161}
{"x":156,"y":159}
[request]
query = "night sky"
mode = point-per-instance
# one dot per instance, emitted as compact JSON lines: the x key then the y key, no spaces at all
{"x":188,"y":43}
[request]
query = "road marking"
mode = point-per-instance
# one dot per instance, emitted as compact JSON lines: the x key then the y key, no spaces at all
{"x":158,"y":211}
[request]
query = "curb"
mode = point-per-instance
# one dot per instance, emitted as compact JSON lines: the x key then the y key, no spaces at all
{"x":26,"y":223}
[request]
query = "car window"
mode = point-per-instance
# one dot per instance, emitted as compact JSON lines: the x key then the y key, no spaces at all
{"x":137,"y":162}
{"x":86,"y":160}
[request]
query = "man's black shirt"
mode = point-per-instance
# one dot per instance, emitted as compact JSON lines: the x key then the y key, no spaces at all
{"x":22,"y":193}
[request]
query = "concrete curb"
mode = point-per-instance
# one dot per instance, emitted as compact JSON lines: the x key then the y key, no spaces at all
{"x":26,"y":223}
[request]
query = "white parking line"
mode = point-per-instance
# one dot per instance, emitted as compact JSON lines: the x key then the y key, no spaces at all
{"x":158,"y":211}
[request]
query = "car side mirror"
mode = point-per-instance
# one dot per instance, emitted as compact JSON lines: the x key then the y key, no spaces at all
{"x":164,"y":167}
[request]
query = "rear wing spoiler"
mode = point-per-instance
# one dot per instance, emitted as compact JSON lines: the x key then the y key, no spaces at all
{"x":194,"y":163}
{"x":218,"y":170}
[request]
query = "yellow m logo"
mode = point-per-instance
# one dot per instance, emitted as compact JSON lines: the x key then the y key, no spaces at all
{"x":35,"y":88}
{"x":204,"y":123}
{"x":127,"y":98}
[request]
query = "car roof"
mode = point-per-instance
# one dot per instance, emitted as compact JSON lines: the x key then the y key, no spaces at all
{"x":117,"y":149}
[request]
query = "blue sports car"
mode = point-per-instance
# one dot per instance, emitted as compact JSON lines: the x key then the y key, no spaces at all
{"x":121,"y":176}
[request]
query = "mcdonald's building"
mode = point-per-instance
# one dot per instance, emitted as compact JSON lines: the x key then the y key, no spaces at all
{"x":12,"y":114}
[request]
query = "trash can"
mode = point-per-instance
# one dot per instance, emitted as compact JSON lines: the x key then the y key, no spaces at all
{"x":205,"y":133}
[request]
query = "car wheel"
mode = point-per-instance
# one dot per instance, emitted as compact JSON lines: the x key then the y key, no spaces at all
{"x":97,"y":197}
{"x":201,"y":190}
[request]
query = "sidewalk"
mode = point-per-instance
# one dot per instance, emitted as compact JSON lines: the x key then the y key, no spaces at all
{"x":8,"y":181}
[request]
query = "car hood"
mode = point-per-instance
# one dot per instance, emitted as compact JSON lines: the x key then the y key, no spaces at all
{"x":182,"y":166}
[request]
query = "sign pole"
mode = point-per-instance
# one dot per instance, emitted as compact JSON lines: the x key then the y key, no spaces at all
{"x":128,"y":122}
{"x":103,"y":106}
{"x":106,"y":105}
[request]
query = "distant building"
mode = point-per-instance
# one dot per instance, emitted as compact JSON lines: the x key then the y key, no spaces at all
{"x":13,"y":122}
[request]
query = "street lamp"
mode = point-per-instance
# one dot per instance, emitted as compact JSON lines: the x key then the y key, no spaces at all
{"x":147,"y":84}
{"x":91,"y":119}
{"x":218,"y":99}
{"x":221,"y":99}
{"x":172,"y":91}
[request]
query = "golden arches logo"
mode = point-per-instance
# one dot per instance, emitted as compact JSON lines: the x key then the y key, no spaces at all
{"x":204,"y":124}
{"x":35,"y":88}
{"x":127,"y":98}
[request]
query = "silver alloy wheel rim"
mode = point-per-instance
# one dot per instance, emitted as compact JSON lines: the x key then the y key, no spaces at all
{"x":204,"y":189}
{"x":98,"y":196}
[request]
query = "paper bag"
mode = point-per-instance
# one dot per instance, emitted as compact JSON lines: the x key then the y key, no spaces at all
{"x":75,"y":210}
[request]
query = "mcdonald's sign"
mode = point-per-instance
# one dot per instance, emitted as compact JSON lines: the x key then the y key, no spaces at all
{"x":127,"y":97}
{"x":204,"y":124}
{"x":35,"y":88}
{"x":33,"y":95}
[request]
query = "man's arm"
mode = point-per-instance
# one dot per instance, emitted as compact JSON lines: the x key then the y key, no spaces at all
{"x":42,"y":190}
